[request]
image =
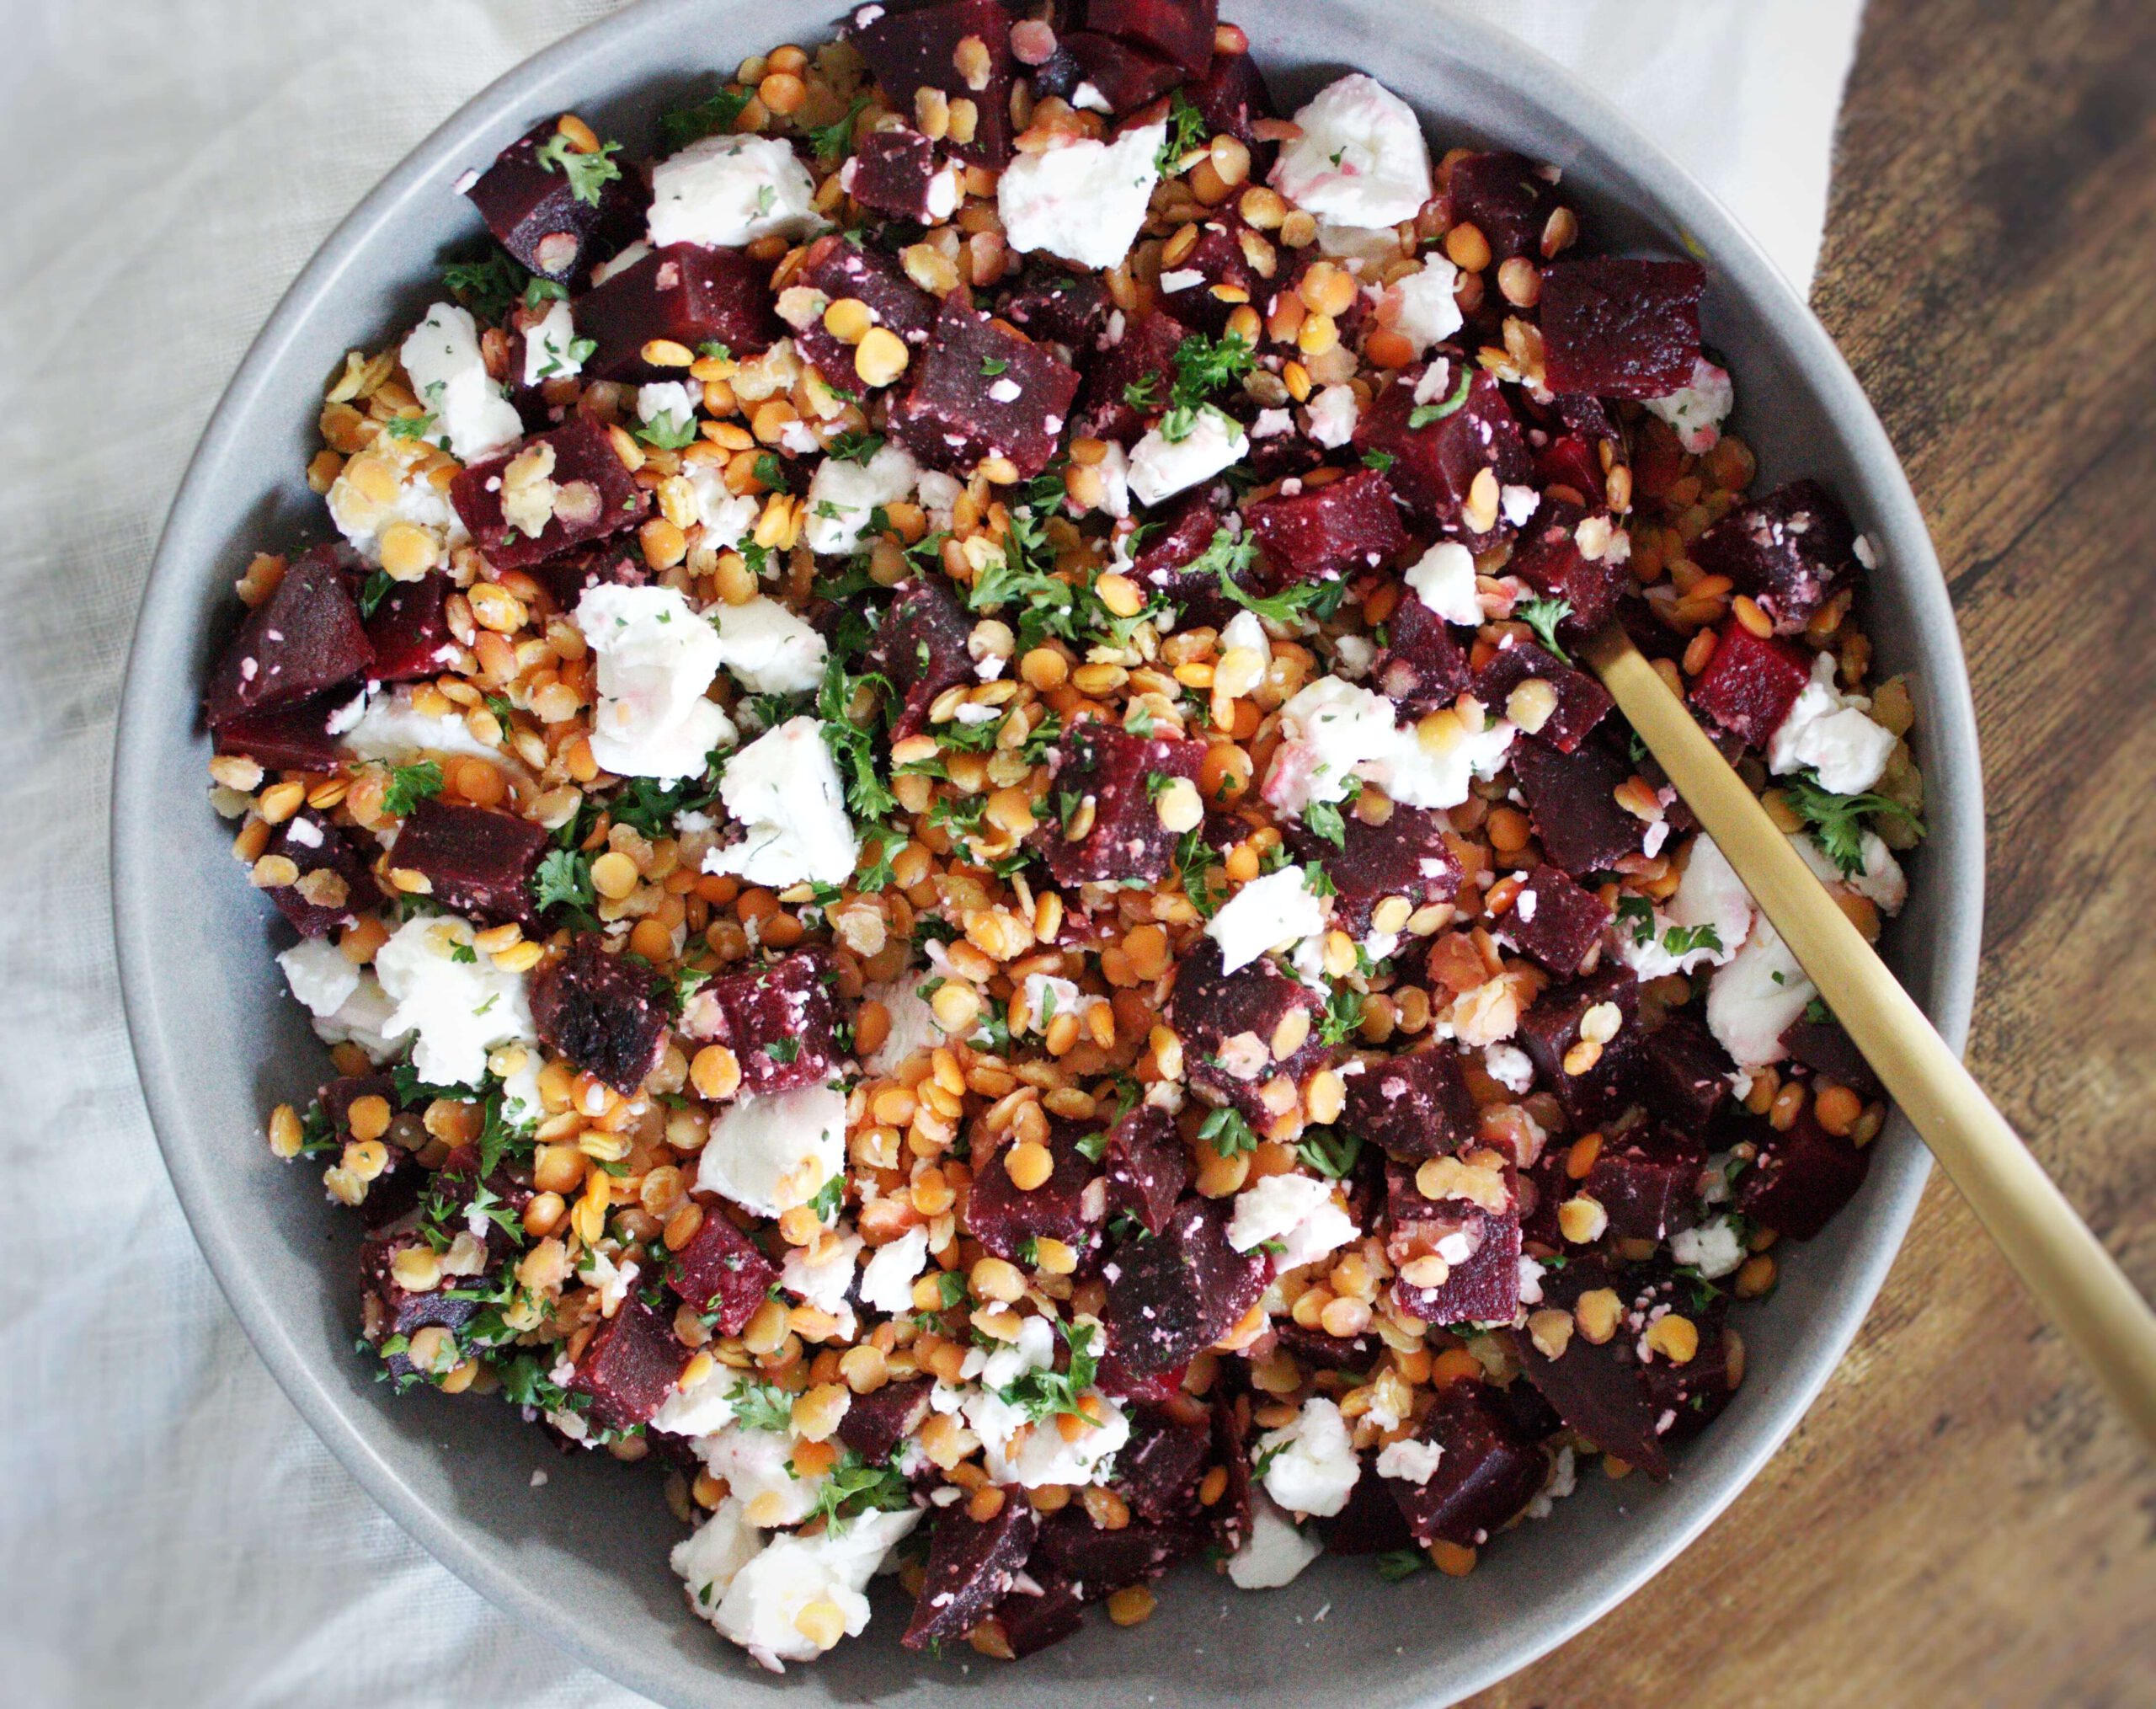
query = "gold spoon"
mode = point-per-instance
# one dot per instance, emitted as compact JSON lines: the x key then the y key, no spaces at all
{"x":2074,"y":1280}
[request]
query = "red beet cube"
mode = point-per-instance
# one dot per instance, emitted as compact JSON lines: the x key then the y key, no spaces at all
{"x":1048,"y":305}
{"x":1829,"y":1052}
{"x":293,"y":738}
{"x":315,"y":845}
{"x":1789,"y":551}
{"x":1434,"y":465}
{"x":1127,"y":382}
{"x":1549,"y":1030}
{"x":1318,"y":1351}
{"x":840,"y":268}
{"x":1044,"y":1612}
{"x":479,"y":863}
{"x":1549,"y":560}
{"x":1750,"y":684}
{"x":1582,"y":702}
{"x":597,"y":496}
{"x":409,"y":630}
{"x":780,"y":1021}
{"x":1371,"y":1524}
{"x":602,"y":1011}
{"x":1103,"y":1561}
{"x":1414,"y":1106}
{"x":722,"y":1273}
{"x":1125,"y":77}
{"x":1181,"y":30}
{"x":1409,"y":855}
{"x":1648,"y":1184}
{"x":1506,"y":197}
{"x":1186,"y":528}
{"x":1341,"y":528}
{"x":1684,"y":1074}
{"x":629,"y":1366}
{"x":684,"y":292}
{"x":972,"y":1564}
{"x":1113,"y":769}
{"x":1620,"y":327}
{"x":1147,"y":1166}
{"x":1485,"y":1475}
{"x":923,"y":48}
{"x":568,"y":578}
{"x":891,"y":172}
{"x":1556,"y":921}
{"x":1157,"y":1470}
{"x":1173,"y":1295}
{"x":304,"y":639}
{"x":387,"y":1309}
{"x":920,"y":649}
{"x":1233,"y":97}
{"x":1067,"y":1206}
{"x":984,"y":389}
{"x":1801,"y":1178}
{"x":1572,"y":799}
{"x":1482,"y":1286}
{"x":1686,"y":1398}
{"x":537,"y":216}
{"x":1423,"y":668}
{"x":1227,"y":1023}
{"x":875,"y":1423}
{"x":1217,"y":258}
{"x":1598,"y":1390}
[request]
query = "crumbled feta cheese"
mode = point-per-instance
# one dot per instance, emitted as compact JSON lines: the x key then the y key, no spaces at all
{"x":363,"y":1019}
{"x":1296,"y":1210}
{"x":784,"y":790}
{"x":1045,"y":1458}
{"x":1310,"y":1464}
{"x":1698,"y":409}
{"x":1423,"y":776}
{"x":1881,"y":881}
{"x":1752,"y":1002}
{"x":1420,"y":305}
{"x":768,"y":648}
{"x":726,"y":517}
{"x":939,"y":496}
{"x":1832,"y":733}
{"x":1267,"y":912}
{"x":844,"y":494}
{"x":1410,"y":1461}
{"x":887,"y":1278}
{"x":448,"y":375}
{"x":1520,"y":503}
{"x":550,"y":346}
{"x":620,"y":264}
{"x":1161,"y":466}
{"x":670,"y":402}
{"x":1714,"y":1248}
{"x":1084,"y":202}
{"x":1244,"y":630}
{"x":708,"y":1559}
{"x":1563,"y":1479}
{"x":361,"y":517}
{"x":913,"y":1023}
{"x":459,"y":1009}
{"x":1443,"y":580}
{"x":702,"y":1410}
{"x":1510,"y":1067}
{"x":1274,"y":1553}
{"x":320,"y":975}
{"x":656,"y":657}
{"x":769,"y":1152}
{"x":1333,"y":414}
{"x":612,"y":1280}
{"x":1709,"y":895}
{"x":1353,"y":655}
{"x":1335,"y":729}
{"x":1360,"y":160}
{"x":823,"y":1283}
{"x":767,"y":1593}
{"x":729,"y":190}
{"x":386,"y":726}
{"x":1271,"y":423}
{"x":758,"y":1468}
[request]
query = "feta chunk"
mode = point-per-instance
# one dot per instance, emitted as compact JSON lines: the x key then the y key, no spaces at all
{"x":1333,"y":414}
{"x":1714,"y":1248}
{"x":1410,"y":1461}
{"x":550,"y":346}
{"x":767,"y":1593}
{"x":1274,"y":1553}
{"x":1443,"y":580}
{"x":726,"y":191}
{"x":1832,"y":734}
{"x":1161,"y":466}
{"x":1310,"y":1465}
{"x":670,"y":403}
{"x":1420,"y":305}
{"x":758,"y":1467}
{"x":1752,"y":1002}
{"x":459,"y":1009}
{"x":1244,"y":630}
{"x":383,"y":724}
{"x":784,"y":790}
{"x":1698,"y":408}
{"x":472,"y":420}
{"x":361,"y":516}
{"x":1709,"y":895}
{"x":1441,"y":776}
{"x":726,"y":517}
{"x":913,"y":1024}
{"x":1298,"y":1211}
{"x":768,"y":648}
{"x":1880,"y":881}
{"x":1333,"y":728}
{"x":1084,"y":202}
{"x":770,"y":1152}
{"x":887,"y":1278}
{"x":1042,"y":1457}
{"x":656,"y":659}
{"x":1266,"y":913}
{"x":363,"y":1018}
{"x":844,"y":494}
{"x":322,"y":977}
{"x":1511,"y":1067}
{"x":1361,"y":159}
{"x":825,"y":1283}
{"x":708,"y":1559}
{"x":702,"y":1410}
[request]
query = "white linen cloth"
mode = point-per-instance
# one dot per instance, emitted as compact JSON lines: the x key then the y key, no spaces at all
{"x":170,"y":1533}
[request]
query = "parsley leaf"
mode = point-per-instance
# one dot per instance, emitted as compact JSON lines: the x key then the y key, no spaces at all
{"x":1682,"y":940}
{"x":1229,"y":555}
{"x":1328,"y":1151}
{"x":1398,"y":1564}
{"x":669,"y":432}
{"x":488,"y":288}
{"x":857,"y":445}
{"x":374,"y":591}
{"x":1379,"y":459}
{"x":831,"y":1194}
{"x":1637,"y":913}
{"x":1542,"y":617}
{"x":761,"y":1407}
{"x":1144,"y":393}
{"x":1204,"y":366}
{"x":410,"y":785}
{"x":1195,"y":857}
{"x":408,"y":426}
{"x":1424,"y":413}
{"x":852,"y":739}
{"x":564,"y":880}
{"x":1343,"y":1017}
{"x":853,"y":1486}
{"x":1188,"y":130}
{"x":1043,"y":1394}
{"x":833,"y":141}
{"x":1227,"y":1132}
{"x":589,"y":174}
{"x":1838,"y":822}
{"x":705,"y":118}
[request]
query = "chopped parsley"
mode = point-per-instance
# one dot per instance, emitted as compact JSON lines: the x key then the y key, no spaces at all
{"x":1331,"y":1152}
{"x":1542,"y":617}
{"x":1043,"y":1394}
{"x":854,"y":1486}
{"x":589,"y":174}
{"x":489,"y":288}
{"x":1187,"y":131}
{"x":1424,"y":413}
{"x":857,"y":445}
{"x":705,"y":118}
{"x":1397,"y":1564}
{"x":669,"y":432}
{"x":410,"y":785}
{"x":1343,"y":1017}
{"x":1227,"y":1132}
{"x":408,"y":426}
{"x":833,"y":141}
{"x":1838,"y":822}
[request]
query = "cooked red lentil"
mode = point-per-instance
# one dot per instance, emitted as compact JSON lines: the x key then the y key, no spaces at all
{"x":940,"y":818}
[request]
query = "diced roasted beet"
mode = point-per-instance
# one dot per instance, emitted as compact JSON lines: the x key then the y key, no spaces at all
{"x":1157,"y":1470}
{"x":920,"y":649}
{"x":1147,"y":1166}
{"x":1036,"y":1617}
{"x":1227,"y":1023}
{"x":1003,"y":1216}
{"x":1139,"y":363}
{"x":1556,"y":921}
{"x":1692,"y":1396}
{"x":535,"y":214}
{"x":1423,"y":667}
{"x":1572,"y":462}
{"x":1216,"y":258}
{"x":388,"y":1309}
{"x":304,"y":639}
{"x":597,"y":496}
{"x":1371,"y":1524}
{"x":1482,"y":1284}
{"x":293,"y":738}
{"x":1597,"y":1390}
{"x":1551,"y":1027}
{"x":1801,"y":1178}
{"x":1620,"y":328}
{"x":603,"y":1012}
{"x":919,"y":48}
{"x":891,"y":171}
{"x":1582,"y":703}
{"x":781,"y":1021}
{"x":314,"y":844}
{"x":722,"y":1271}
{"x":1341,"y":528}
{"x":1831,"y":1053}
{"x":1750,"y":684}
{"x":971,"y":1565}
{"x":1485,"y":1475}
{"x":629,"y":1366}
{"x":568,"y":576}
{"x":478,"y":862}
{"x":1415,"y":1106}
{"x":1125,"y":77}
{"x":1111,"y":767}
{"x":458,"y":1184}
{"x":1789,"y":551}
{"x":1434,"y":465}
{"x":1233,"y":97}
{"x":1549,"y":560}
{"x":1319,"y":1351}
{"x":842,"y":268}
{"x":1572,"y":798}
{"x":981,"y":390}
{"x":1102,"y":1561}
{"x":684,"y":292}
{"x":1506,"y":197}
{"x":1181,"y":29}
{"x":1052,"y":306}
{"x":1409,"y":855}
{"x":1158,"y":1389}
{"x":1173,"y":1295}
{"x":1648,"y":1184}
{"x":1684,"y":1074}
{"x":876,"y":1423}
{"x":1185,"y":529}
{"x":409,"y":630}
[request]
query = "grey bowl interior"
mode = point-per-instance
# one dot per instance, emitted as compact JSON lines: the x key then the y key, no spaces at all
{"x":584,"y":1561}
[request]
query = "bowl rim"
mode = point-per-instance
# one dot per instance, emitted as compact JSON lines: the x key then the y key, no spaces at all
{"x":1954,"y":850}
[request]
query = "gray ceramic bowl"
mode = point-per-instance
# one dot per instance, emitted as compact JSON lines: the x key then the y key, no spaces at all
{"x":584,"y":1561}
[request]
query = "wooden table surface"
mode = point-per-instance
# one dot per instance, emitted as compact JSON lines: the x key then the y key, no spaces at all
{"x":1960,"y":1520}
